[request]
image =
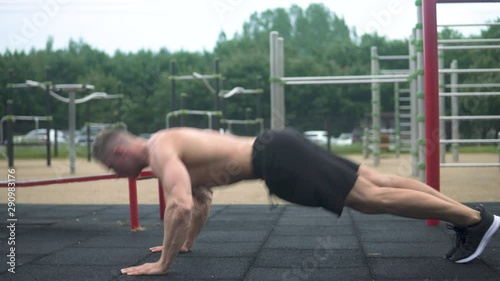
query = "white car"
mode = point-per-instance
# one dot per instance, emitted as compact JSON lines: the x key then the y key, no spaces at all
{"x":344,"y":139}
{"x":39,"y":136}
{"x":317,"y":137}
{"x":81,"y":135}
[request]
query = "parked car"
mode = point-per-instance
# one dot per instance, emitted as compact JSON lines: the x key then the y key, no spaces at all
{"x":344,"y":139}
{"x":317,"y":137}
{"x":39,"y":136}
{"x":145,"y":136}
{"x":81,"y":135}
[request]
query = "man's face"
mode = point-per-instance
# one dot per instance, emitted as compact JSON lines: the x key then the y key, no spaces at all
{"x":123,"y":163}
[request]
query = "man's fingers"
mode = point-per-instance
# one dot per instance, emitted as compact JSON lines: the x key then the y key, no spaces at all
{"x":145,"y":269}
{"x":136,"y":270}
{"x":128,"y":270}
{"x":156,"y":249}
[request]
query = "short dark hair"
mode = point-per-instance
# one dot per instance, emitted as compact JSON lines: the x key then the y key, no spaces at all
{"x":105,"y":140}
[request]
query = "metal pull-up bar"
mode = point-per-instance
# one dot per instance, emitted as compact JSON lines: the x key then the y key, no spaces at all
{"x":240,"y":90}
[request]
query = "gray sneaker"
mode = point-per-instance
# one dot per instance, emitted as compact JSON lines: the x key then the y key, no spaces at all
{"x":475,"y":238}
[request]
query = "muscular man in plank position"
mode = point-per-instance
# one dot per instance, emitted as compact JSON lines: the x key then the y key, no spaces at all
{"x":189,"y":162}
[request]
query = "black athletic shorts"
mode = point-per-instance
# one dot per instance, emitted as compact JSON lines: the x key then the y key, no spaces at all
{"x":301,"y":172}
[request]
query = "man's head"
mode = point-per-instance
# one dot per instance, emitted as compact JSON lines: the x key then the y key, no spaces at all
{"x":120,"y":151}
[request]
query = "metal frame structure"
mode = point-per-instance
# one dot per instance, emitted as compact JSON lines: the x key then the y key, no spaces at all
{"x":23,"y":118}
{"x":247,"y":121}
{"x":72,"y":89}
{"x":194,"y":76}
{"x":404,"y":73}
{"x":278,"y":81}
{"x":182,"y":112}
{"x":432,"y":91}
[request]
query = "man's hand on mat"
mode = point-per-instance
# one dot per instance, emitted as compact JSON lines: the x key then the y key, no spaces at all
{"x":158,"y":249}
{"x":154,"y":268}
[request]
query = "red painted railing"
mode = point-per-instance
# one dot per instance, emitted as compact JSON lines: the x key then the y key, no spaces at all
{"x":132,"y":189}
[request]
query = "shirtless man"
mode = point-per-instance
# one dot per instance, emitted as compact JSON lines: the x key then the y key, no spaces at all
{"x":189,"y":162}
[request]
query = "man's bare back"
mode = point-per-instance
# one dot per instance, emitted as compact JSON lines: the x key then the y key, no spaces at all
{"x":211,"y":158}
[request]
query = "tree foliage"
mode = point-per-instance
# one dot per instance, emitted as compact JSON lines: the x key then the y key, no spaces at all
{"x":317,"y":43}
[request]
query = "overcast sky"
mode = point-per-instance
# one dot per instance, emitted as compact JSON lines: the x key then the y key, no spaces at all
{"x":194,"y":25}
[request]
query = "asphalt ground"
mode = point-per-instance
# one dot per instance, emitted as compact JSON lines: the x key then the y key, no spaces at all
{"x":239,"y":242}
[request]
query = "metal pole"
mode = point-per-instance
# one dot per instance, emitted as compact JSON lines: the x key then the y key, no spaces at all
{"x":134,"y":212}
{"x":276,"y":122}
{"x":10,"y":130}
{"x":72,"y":125}
{"x":366,"y":143}
{"x":280,"y":44}
{"x":432,"y":97}
{"x":183,"y":106}
{"x":10,"y":122}
{"x":348,"y":77}
{"x":48,"y":113}
{"x":442,"y":106}
{"x":87,"y":117}
{"x":413,"y":106}
{"x":397,"y":125}
{"x":56,"y":145}
{"x":474,"y":47}
{"x":375,"y":108}
{"x":173,"y":101}
{"x":216,"y":94}
{"x":420,"y":96}
{"x":328,"y":134}
{"x":120,"y":104}
{"x":453,"y":41}
{"x":455,"y":134}
{"x":222,"y":101}
{"x":352,"y":81}
{"x":248,"y":112}
{"x":259,"y":99}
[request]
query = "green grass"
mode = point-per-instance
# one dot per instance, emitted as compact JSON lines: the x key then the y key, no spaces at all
{"x":356,"y":148}
{"x":40,"y":152}
{"x":478,"y":149}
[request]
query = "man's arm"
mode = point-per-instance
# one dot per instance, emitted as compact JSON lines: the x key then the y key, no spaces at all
{"x":202,"y":203}
{"x":178,"y":211}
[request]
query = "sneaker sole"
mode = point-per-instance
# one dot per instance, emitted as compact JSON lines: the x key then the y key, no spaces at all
{"x":486,"y":239}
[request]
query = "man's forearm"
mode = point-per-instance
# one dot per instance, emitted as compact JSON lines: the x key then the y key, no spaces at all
{"x":199,"y":217}
{"x":176,"y":229}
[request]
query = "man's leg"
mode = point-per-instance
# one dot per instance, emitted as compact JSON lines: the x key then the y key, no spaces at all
{"x":386,"y":180}
{"x":369,"y":198}
{"x":480,"y":225}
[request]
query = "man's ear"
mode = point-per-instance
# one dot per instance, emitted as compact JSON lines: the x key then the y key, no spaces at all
{"x":119,"y":150}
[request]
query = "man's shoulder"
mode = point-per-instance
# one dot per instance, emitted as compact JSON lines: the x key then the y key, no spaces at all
{"x":171,"y":133}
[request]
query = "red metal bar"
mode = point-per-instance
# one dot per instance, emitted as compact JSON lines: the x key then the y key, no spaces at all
{"x":142,"y":175}
{"x":132,"y":189}
{"x":60,"y":181}
{"x":431,"y":97}
{"x":467,"y":1}
{"x":134,"y":212}
{"x":161,"y":196}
